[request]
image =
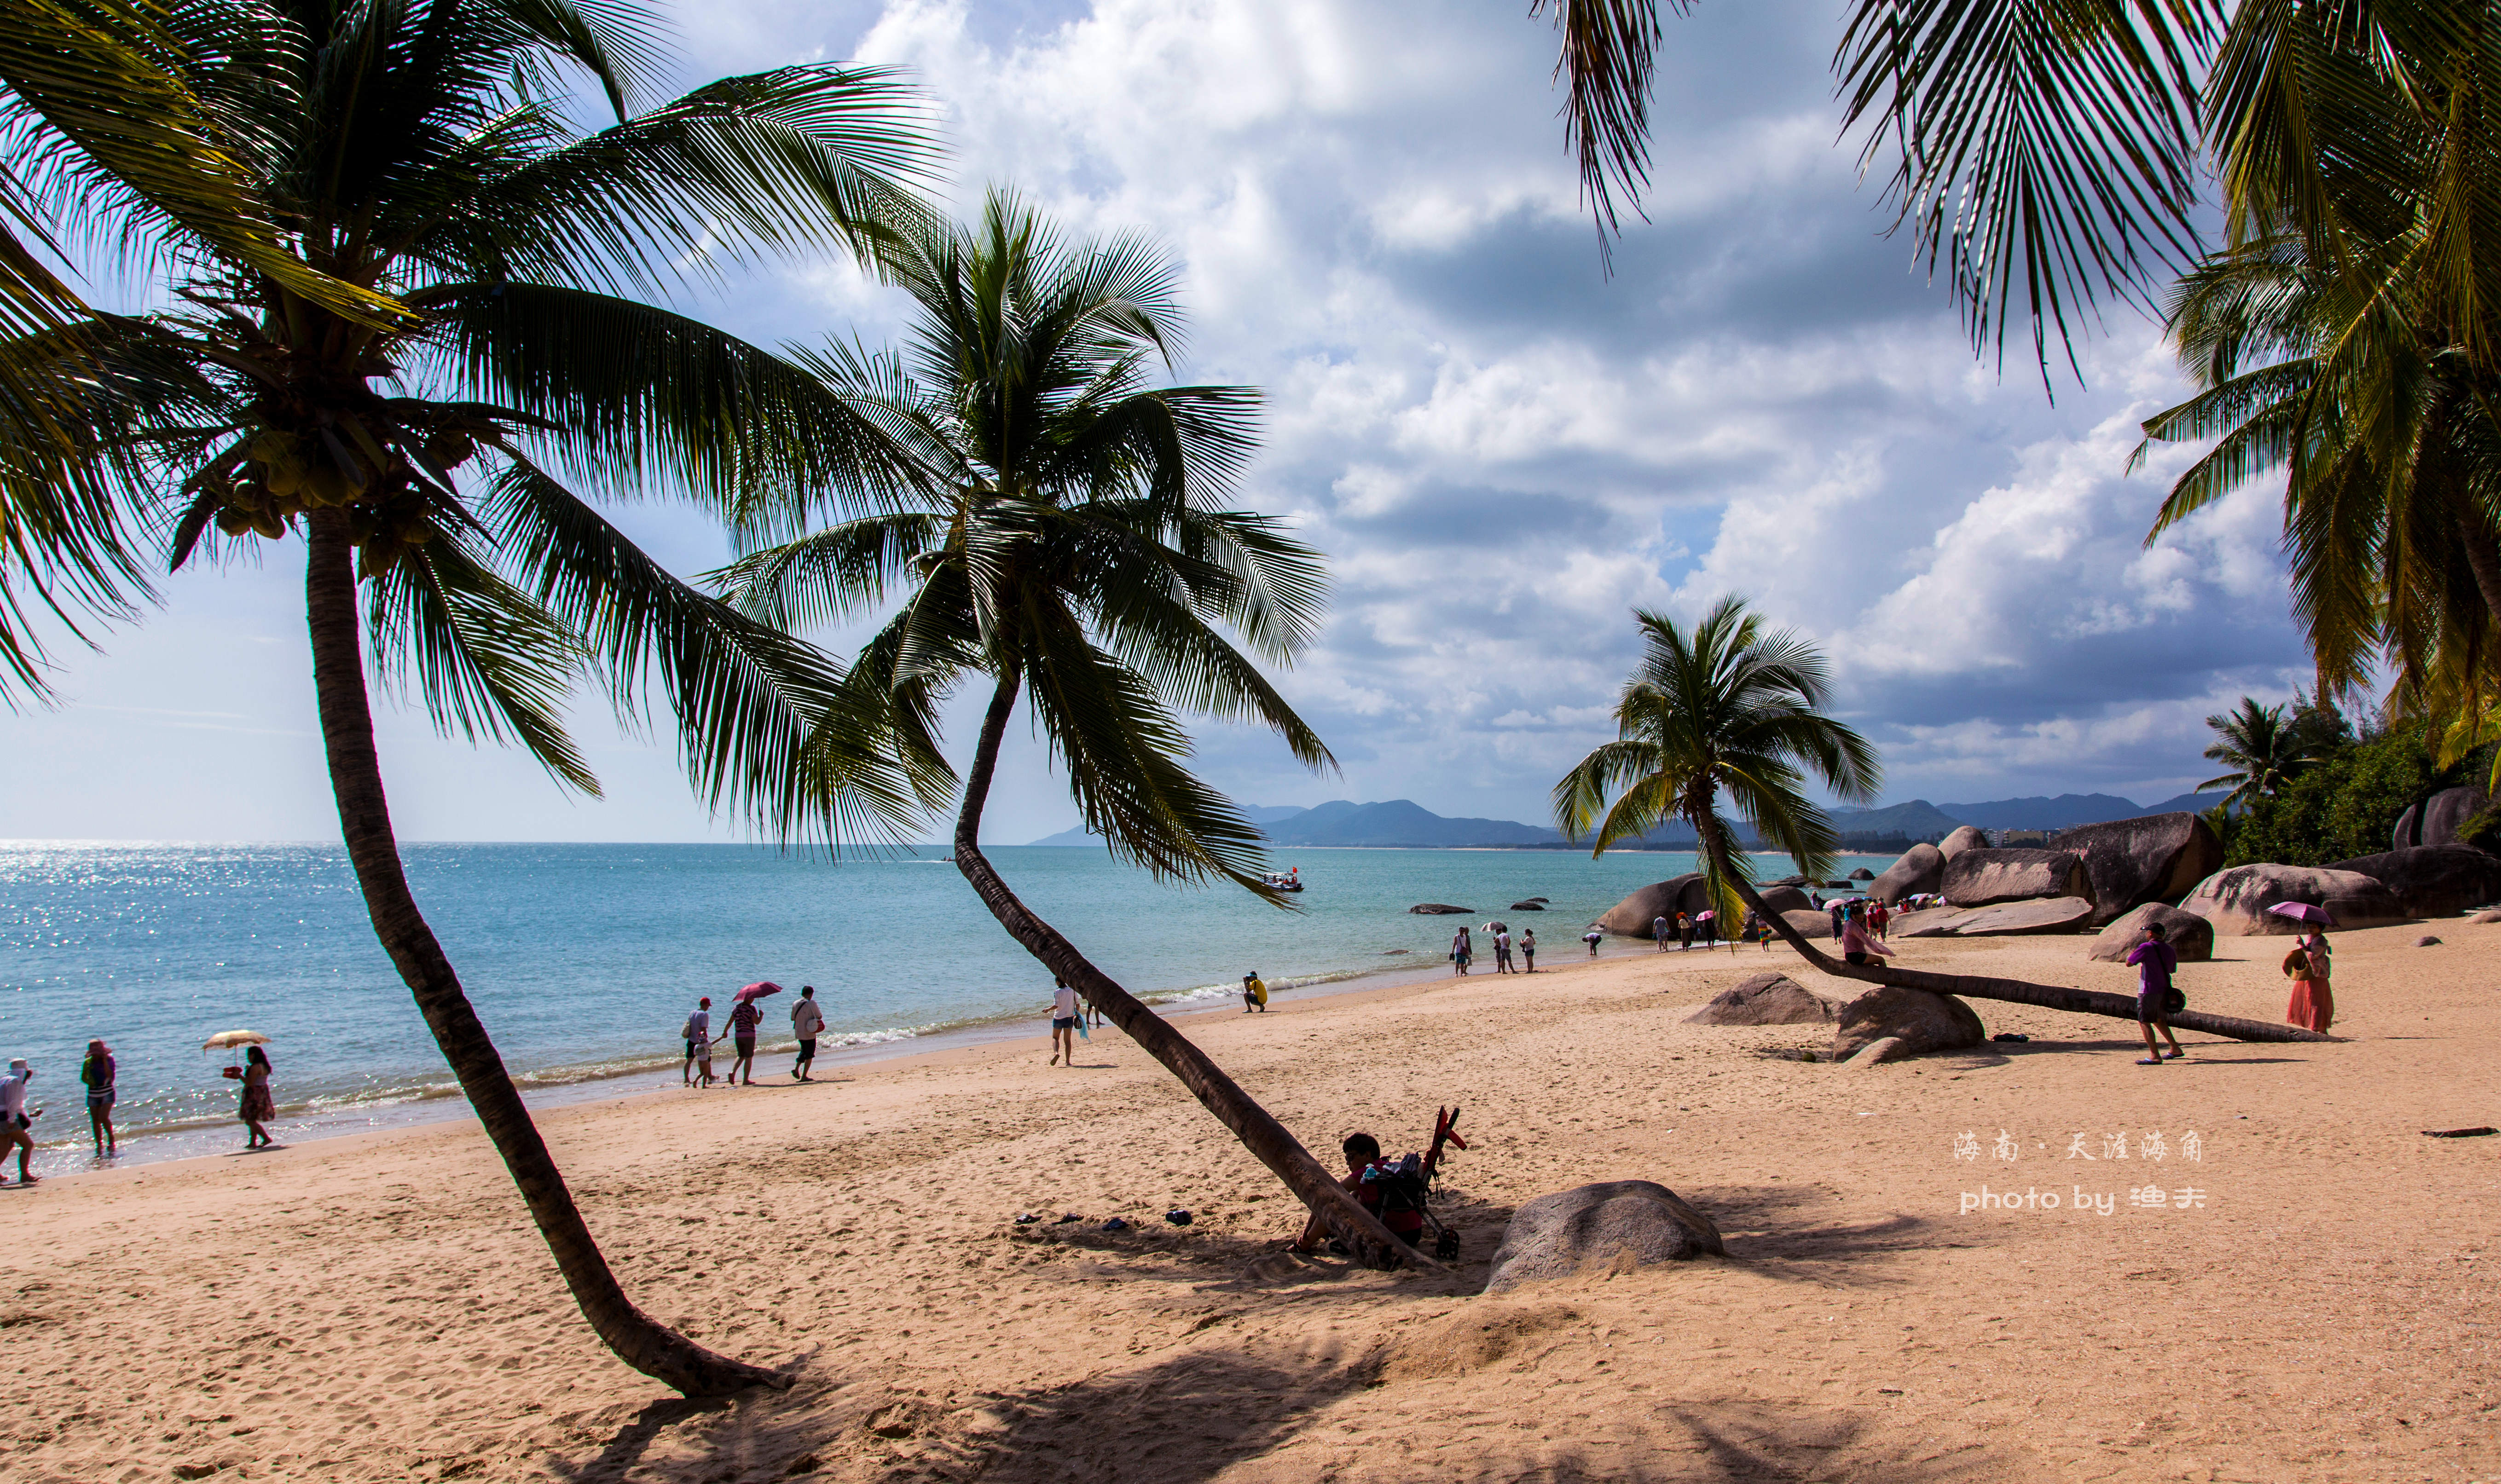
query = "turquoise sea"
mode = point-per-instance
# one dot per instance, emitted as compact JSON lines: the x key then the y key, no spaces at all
{"x":584,"y":959}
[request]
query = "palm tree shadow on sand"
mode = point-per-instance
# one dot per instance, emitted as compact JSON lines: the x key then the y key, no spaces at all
{"x":1190,"y":1417}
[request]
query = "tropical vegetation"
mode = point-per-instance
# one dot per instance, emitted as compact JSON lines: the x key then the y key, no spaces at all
{"x":402,"y":321}
{"x":1061,"y":537}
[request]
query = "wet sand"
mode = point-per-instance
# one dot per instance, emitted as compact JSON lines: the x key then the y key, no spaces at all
{"x":375,"y":1308}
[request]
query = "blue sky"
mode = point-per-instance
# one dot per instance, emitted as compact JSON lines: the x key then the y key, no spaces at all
{"x":1501,"y":450}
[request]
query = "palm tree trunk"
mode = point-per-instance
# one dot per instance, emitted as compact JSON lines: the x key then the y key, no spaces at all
{"x":1267,"y":1140}
{"x":364,"y":819}
{"x":2049,"y":997}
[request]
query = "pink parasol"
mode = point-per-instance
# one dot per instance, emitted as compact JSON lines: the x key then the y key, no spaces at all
{"x":2303,"y":911}
{"x":757,"y":991}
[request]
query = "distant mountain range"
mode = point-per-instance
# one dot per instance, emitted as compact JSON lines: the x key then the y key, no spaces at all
{"x":1405,"y":823}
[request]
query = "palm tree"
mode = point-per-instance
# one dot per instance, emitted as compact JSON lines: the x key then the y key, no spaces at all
{"x":64,"y":547}
{"x":2264,"y":751}
{"x":1065,"y":541}
{"x":1724,"y":706}
{"x":450,"y":352}
{"x":1727,"y":705}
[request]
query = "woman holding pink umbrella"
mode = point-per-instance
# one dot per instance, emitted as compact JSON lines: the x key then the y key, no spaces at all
{"x":744,"y":1017}
{"x":2313,"y":1005}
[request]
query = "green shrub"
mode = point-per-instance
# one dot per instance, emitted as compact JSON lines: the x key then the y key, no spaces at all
{"x":2344,"y":806}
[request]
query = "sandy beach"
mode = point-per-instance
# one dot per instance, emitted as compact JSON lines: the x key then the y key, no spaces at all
{"x":375,"y":1307}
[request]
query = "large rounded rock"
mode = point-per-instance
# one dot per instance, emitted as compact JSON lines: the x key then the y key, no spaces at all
{"x":1788,"y":899}
{"x":2436,"y":821}
{"x":2190,"y":937}
{"x":1532,"y":905}
{"x":1862,"y":874}
{"x":1439,"y":910}
{"x":1632,"y":916}
{"x":1964,"y":839}
{"x":1604,"y":1227}
{"x":1766,"y":998}
{"x":1979,"y":878}
{"x":2433,"y":880}
{"x":1920,"y":869}
{"x":2005,"y":919}
{"x":2236,"y":900}
{"x":1809,"y":923}
{"x":2018,"y":919}
{"x":1924,"y":1022}
{"x":2152,"y":858}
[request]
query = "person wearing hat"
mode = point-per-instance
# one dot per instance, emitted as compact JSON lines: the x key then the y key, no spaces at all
{"x":1255,"y":994}
{"x":97,"y":1074}
{"x":14,"y":1119}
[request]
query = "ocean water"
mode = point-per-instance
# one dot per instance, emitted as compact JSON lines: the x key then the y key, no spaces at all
{"x":584,"y":960}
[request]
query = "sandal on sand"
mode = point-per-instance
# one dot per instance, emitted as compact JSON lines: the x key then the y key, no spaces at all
{"x":2148,"y":1061}
{"x":2173,"y":1056}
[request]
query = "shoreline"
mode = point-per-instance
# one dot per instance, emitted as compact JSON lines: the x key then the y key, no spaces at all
{"x":1900,"y":1296}
{"x":68,"y":1159}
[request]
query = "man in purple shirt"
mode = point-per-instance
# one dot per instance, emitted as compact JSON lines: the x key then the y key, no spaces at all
{"x":2153,"y":959}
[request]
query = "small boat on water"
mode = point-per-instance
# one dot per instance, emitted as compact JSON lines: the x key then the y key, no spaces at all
{"x":1292,"y":880}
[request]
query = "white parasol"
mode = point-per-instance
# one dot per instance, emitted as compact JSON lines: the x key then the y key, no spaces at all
{"x":227,"y":1040}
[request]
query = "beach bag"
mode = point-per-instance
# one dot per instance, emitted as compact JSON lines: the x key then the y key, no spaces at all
{"x":2173,"y":1000}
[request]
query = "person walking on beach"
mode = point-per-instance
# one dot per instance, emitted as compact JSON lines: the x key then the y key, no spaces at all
{"x":97,"y":1074}
{"x":1836,"y":911}
{"x":1501,"y":948}
{"x":1528,"y":949}
{"x":698,"y":1034}
{"x":743,"y":1018}
{"x":806,"y":1022}
{"x":2153,"y":958}
{"x":1662,"y":929}
{"x":1684,"y":933}
{"x":14,"y":1119}
{"x":257,"y":1107}
{"x":1063,"y":1024}
{"x":2313,"y":1006}
{"x":1254,"y":992}
{"x":1461,"y":949}
{"x":1878,"y":916}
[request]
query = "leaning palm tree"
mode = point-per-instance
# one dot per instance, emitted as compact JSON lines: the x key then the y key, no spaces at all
{"x":2264,"y":751}
{"x":1065,"y":541}
{"x":1728,"y":706}
{"x":424,"y":393}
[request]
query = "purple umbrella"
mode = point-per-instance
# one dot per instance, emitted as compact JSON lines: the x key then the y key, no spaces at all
{"x":2303,"y":911}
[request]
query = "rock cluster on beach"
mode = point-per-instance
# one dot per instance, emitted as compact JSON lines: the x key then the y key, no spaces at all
{"x":2121,"y":875}
{"x":2436,"y":821}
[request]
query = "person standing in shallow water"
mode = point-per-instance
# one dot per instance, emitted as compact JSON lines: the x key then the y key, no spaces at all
{"x":16,"y":1120}
{"x":97,"y":1074}
{"x":1461,"y":951}
{"x":1528,"y":949}
{"x":2313,"y":1006}
{"x":257,"y":1107}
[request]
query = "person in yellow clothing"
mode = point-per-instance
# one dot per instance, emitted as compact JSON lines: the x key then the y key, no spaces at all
{"x":1255,"y":994}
